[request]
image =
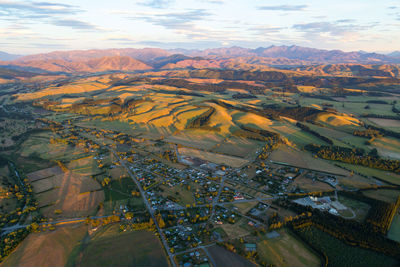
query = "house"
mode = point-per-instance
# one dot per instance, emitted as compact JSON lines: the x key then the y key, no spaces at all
{"x":250,"y":247}
{"x":333,"y":211}
{"x":238,"y":197}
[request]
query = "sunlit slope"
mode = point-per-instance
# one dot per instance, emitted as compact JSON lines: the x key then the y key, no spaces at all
{"x":165,"y":107}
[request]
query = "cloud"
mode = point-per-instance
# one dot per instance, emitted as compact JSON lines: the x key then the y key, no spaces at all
{"x":202,"y":44}
{"x":57,"y":14}
{"x":338,"y":28}
{"x":175,"y":20}
{"x":345,"y":20}
{"x":266,"y":30}
{"x":283,"y":8}
{"x":122,"y":39}
{"x":75,"y":24}
{"x":36,"y":9}
{"x":214,"y":1}
{"x":157,"y":3}
{"x":332,"y":32}
{"x":47,"y":45}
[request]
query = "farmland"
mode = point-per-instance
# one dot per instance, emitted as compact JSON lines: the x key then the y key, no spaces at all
{"x":47,"y":248}
{"x":300,"y":159}
{"x":138,"y":248}
{"x":201,"y":167}
{"x":383,"y":194}
{"x":286,"y":250}
{"x":395,"y":228}
{"x":226,"y":258}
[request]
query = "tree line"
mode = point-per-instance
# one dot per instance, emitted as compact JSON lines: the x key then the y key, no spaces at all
{"x":368,"y":133}
{"x":201,"y":120}
{"x":350,"y":231}
{"x":355,"y":156}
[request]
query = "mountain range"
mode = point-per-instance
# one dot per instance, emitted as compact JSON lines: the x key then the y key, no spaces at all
{"x":394,"y":54}
{"x":131,"y":59}
{"x":7,"y":56}
{"x":101,"y":64}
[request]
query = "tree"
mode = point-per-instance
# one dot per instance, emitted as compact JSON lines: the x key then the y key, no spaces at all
{"x":57,"y":211}
{"x":160,"y":221}
{"x":373,"y":152}
{"x":129,"y":215}
{"x":34,"y":227}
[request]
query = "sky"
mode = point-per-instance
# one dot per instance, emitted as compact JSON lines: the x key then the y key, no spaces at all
{"x":28,"y":27}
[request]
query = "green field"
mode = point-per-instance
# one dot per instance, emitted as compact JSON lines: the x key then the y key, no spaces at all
{"x":340,"y":254}
{"x":286,"y":250}
{"x":356,"y":108}
{"x":302,"y":138}
{"x":38,"y":145}
{"x":394,"y":231}
{"x":387,"y":195}
{"x":118,"y":193}
{"x":359,"y":208}
{"x":383,"y":175}
{"x":119,"y":189}
{"x":123,"y":127}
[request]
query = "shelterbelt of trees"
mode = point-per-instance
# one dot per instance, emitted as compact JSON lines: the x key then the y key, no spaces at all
{"x":368,"y":133}
{"x":355,"y":156}
{"x":381,"y":213}
{"x":258,"y":134}
{"x":369,"y":234}
{"x":201,"y":120}
{"x":26,"y":203}
{"x":384,"y":131}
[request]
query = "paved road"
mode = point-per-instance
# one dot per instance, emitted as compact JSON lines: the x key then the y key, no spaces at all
{"x":259,"y":199}
{"x":209,"y":257}
{"x":149,"y":208}
{"x":194,"y":249}
{"x":12,"y":228}
{"x":215,"y":200}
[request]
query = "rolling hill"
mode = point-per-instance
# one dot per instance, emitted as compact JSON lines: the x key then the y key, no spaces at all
{"x":352,"y":70}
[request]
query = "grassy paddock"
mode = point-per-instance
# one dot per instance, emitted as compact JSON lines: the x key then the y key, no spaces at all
{"x":286,"y":250}
{"x":383,"y":175}
{"x":113,"y":248}
{"x":394,"y":231}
